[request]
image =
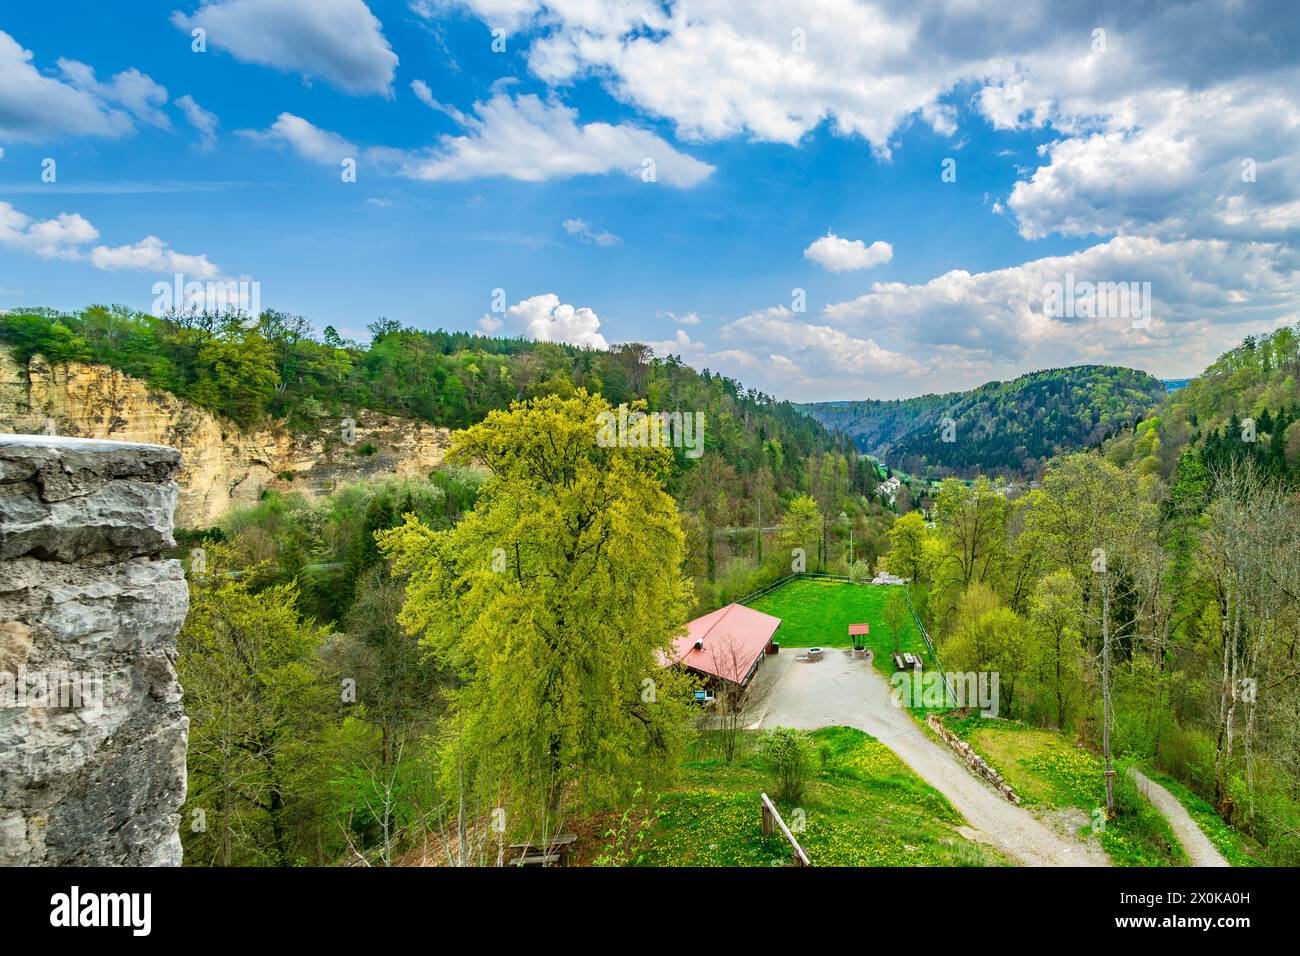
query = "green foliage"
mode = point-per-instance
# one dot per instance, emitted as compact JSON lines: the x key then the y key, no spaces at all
{"x":281,"y":370}
{"x":550,"y":601}
{"x":787,"y":754}
{"x":258,"y":714}
{"x":1255,"y":381}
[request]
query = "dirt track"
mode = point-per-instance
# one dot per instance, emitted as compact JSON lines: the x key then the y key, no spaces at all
{"x":841,"y":691}
{"x":1198,"y":846}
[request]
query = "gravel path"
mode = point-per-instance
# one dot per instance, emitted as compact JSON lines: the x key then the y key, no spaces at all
{"x":1198,"y":846}
{"x":840,"y":691}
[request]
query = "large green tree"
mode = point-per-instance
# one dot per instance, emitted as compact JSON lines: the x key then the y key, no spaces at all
{"x":552,"y":601}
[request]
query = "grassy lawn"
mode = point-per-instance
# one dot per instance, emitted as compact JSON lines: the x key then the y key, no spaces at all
{"x":817,"y":613}
{"x":1050,"y":772}
{"x":864,"y":807}
{"x":1237,"y":848}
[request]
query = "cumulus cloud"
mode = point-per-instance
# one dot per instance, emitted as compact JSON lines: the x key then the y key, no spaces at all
{"x":689,"y":318}
{"x":34,"y":107}
{"x":962,"y":329}
{"x":1204,"y":295}
{"x":203,"y":121}
{"x":524,"y":138}
{"x":1224,"y":161}
{"x":338,"y":41}
{"x":1153,"y":120}
{"x":136,"y":93}
{"x":57,"y":238}
{"x":151,"y":254}
{"x":534,"y":140}
{"x":582,"y":230}
{"x":307,"y":140}
{"x":815,"y":347}
{"x":66,"y":235}
{"x":846,"y":255}
{"x":545,"y":318}
{"x":680,"y":344}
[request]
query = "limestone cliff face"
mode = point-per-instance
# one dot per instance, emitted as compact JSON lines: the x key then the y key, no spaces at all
{"x":221,"y":464}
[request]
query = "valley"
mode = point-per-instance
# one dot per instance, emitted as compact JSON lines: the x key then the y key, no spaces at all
{"x":375,"y":569}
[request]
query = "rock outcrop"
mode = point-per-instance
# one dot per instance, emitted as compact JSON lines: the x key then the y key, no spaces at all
{"x":221,"y":464}
{"x":92,"y":736}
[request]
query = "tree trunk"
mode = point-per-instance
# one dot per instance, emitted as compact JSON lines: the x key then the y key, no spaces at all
{"x":1105,"y":693}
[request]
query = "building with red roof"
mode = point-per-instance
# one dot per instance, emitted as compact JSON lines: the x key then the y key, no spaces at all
{"x":726,"y":644}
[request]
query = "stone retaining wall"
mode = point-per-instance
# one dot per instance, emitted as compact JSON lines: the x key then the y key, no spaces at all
{"x":966,"y":754}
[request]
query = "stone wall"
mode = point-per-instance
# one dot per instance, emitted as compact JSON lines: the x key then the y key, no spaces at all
{"x":92,"y":754}
{"x":967,"y":755}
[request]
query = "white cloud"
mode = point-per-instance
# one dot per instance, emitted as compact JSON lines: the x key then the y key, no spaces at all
{"x":781,"y":353}
{"x":1172,"y":166}
{"x":582,"y":230}
{"x":959,"y":330}
{"x":151,"y":254}
{"x":680,"y":344}
{"x":57,"y":238}
{"x":545,"y":318}
{"x":34,"y":108}
{"x":533,"y":140}
{"x":815,"y":348}
{"x":338,"y":41}
{"x":66,"y":235}
{"x":718,"y":69}
{"x":130,"y":89}
{"x":308,"y":141}
{"x":846,"y":255}
{"x":1152,"y":129}
{"x":202,"y":120}
{"x":522,"y":138}
{"x":1205,"y":294}
{"x":689,"y":318}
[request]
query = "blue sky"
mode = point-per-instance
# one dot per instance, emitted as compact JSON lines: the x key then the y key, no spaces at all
{"x":521,"y":170}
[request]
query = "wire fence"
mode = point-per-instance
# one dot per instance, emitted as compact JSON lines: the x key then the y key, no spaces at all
{"x":934,"y":654}
{"x":819,"y":575}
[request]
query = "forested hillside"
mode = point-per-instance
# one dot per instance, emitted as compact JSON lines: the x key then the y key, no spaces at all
{"x":759,"y":452}
{"x":1174,"y":552}
{"x":1008,"y":428}
{"x":1246,"y":406}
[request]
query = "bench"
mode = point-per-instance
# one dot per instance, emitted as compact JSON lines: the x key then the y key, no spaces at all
{"x":556,"y":851}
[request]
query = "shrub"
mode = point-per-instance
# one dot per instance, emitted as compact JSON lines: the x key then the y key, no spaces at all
{"x":788,"y":755}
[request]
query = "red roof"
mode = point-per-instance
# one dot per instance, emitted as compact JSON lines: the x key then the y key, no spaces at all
{"x":733,"y":638}
{"x":858,"y":629}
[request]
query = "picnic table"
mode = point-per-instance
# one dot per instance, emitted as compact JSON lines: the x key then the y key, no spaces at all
{"x":554,"y":852}
{"x":907,"y":661}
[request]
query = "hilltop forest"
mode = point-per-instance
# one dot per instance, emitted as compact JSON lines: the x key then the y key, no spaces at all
{"x":1000,"y":428}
